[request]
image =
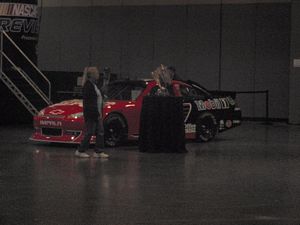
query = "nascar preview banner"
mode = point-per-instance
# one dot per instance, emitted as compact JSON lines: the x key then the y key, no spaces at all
{"x":19,"y":19}
{"x":18,"y":9}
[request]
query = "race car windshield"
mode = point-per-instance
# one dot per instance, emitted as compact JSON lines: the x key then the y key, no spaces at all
{"x":124,"y":91}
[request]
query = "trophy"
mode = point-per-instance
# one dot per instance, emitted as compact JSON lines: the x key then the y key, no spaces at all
{"x":163,"y":77}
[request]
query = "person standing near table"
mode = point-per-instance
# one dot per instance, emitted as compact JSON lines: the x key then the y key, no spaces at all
{"x":92,"y":112}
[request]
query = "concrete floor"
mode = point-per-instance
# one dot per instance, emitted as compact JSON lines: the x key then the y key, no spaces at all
{"x":249,"y":175}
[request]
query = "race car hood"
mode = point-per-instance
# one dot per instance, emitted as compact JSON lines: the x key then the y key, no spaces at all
{"x":64,"y":108}
{"x":69,"y":107}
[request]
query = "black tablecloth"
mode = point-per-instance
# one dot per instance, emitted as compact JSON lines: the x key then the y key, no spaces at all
{"x":161,"y":125}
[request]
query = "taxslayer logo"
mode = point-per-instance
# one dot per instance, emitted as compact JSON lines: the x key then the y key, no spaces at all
{"x":56,"y":112}
{"x":50,"y":123}
{"x":216,"y":103}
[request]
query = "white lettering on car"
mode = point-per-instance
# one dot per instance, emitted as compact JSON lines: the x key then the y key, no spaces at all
{"x":231,"y":101}
{"x":50,"y":123}
{"x":216,"y":103}
{"x":190,"y":128}
{"x":200,"y":105}
{"x":187,"y":109}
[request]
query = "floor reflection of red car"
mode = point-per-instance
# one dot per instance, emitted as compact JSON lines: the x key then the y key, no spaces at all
{"x":206,"y":113}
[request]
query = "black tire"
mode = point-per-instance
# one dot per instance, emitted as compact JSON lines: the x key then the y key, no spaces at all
{"x":115,"y":130}
{"x":206,"y":127}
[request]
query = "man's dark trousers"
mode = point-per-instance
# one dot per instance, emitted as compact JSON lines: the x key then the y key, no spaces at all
{"x":93,"y":127}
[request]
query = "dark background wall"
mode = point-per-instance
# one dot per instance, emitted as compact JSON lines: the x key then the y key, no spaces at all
{"x":294,"y":90}
{"x":241,"y":47}
{"x":133,"y":40}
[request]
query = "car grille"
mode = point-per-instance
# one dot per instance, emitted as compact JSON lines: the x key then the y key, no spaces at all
{"x":52,"y":131}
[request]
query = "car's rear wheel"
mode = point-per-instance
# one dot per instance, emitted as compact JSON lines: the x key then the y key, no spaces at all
{"x":115,"y":129}
{"x":207,"y":127}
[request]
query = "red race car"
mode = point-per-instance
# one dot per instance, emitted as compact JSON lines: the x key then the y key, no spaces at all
{"x":206,"y":113}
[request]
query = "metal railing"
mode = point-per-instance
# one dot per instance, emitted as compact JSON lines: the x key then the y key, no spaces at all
{"x":46,"y":97}
{"x":28,"y":79}
{"x":38,"y":90}
{"x":16,"y":91}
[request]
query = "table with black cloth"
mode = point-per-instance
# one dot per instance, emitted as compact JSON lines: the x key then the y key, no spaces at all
{"x":162,"y":125}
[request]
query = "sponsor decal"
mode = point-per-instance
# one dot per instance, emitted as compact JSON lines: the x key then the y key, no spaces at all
{"x":50,"y":123}
{"x":190,"y":128}
{"x":207,"y":105}
{"x":200,"y":105}
{"x":228,"y":123}
{"x":224,"y":103}
{"x":213,"y":104}
{"x":56,"y":112}
{"x":216,"y":103}
{"x":222,"y":124}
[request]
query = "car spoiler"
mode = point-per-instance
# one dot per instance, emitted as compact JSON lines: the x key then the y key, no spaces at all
{"x":213,"y":93}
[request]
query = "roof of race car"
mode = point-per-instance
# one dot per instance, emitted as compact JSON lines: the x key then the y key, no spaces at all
{"x":135,"y":81}
{"x":132,"y":81}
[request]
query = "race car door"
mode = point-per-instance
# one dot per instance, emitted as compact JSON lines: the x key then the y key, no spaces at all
{"x":132,"y":109}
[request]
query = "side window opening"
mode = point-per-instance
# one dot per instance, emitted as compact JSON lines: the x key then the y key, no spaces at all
{"x":123,"y":91}
{"x":154,"y":90}
{"x":190,"y":92}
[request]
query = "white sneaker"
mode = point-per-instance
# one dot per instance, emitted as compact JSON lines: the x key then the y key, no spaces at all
{"x":100,"y":155}
{"x":81,"y":154}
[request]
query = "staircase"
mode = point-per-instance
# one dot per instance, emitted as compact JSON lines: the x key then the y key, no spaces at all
{"x":29,"y":85}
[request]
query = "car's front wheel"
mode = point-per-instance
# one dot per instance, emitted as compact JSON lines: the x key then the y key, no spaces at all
{"x":207,"y":127}
{"x":115,"y":130}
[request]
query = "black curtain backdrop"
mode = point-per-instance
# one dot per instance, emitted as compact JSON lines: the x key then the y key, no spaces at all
{"x":161,"y":125}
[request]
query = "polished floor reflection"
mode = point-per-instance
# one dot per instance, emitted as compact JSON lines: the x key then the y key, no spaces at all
{"x":249,"y":175}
